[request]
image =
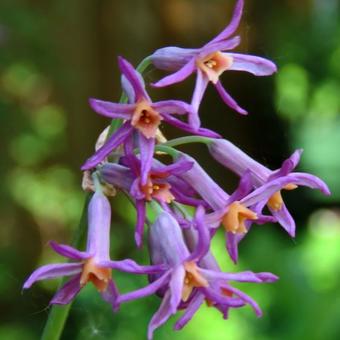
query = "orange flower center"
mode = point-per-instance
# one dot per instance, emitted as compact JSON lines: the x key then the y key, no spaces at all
{"x":214,"y":65}
{"x":100,"y":277}
{"x":234,"y":220}
{"x":193,"y":279}
{"x":160,"y":191}
{"x":146,"y":119}
{"x":275,"y":202}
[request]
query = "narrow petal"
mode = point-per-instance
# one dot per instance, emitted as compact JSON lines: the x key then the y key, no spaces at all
{"x":177,"y":168}
{"x":150,"y":289}
{"x":172,"y":107}
{"x":69,"y":252}
{"x":67,"y":292}
{"x":113,"y":142}
{"x":232,"y":245}
{"x":139,"y":232}
{"x":243,"y":189}
{"x":187,"y":128}
{"x":285,"y":219}
{"x":200,"y":87}
{"x":203,"y":243}
{"x":252,"y":64}
{"x":288,"y":165}
{"x":112,"y":110}
{"x":161,"y":316}
{"x":147,"y":149}
{"x":130,"y":266}
{"x":111,"y":294}
{"x":117,"y":175}
{"x":228,"y":99}
{"x":133,"y":77}
{"x":219,"y":299}
{"x":246,"y":276}
{"x":233,"y":25}
{"x":52,"y":271}
{"x":267,"y":277}
{"x":246,"y":299}
{"x":223,"y":45}
{"x":189,"y":312}
{"x":178,"y":76}
{"x":176,"y":287}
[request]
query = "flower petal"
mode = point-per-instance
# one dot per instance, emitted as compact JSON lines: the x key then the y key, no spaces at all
{"x":69,"y":252}
{"x":178,"y":76}
{"x":252,"y":64}
{"x":200,"y":87}
{"x":113,"y":142}
{"x":150,"y":289}
{"x":187,"y":128}
{"x":246,"y":276}
{"x":112,"y":110}
{"x":172,"y":107}
{"x":111,"y":294}
{"x":67,"y":292}
{"x":52,"y":271}
{"x":147,"y":148}
{"x":284,"y":218}
{"x":134,"y":78}
{"x":176,"y":287}
{"x":189,"y":312}
{"x":288,"y":165}
{"x":130,"y":266}
{"x":233,"y":25}
{"x":139,"y":232}
{"x":228,"y":99}
{"x":161,"y":316}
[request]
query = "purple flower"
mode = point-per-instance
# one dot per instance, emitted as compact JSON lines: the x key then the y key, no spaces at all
{"x":209,"y":62}
{"x":140,"y":115}
{"x":184,"y":282}
{"x":238,"y":211}
{"x":163,"y":185}
{"x":93,"y":265}
{"x":239,"y":162}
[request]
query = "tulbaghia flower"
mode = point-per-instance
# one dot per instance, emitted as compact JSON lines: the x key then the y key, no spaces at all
{"x":185,"y":281}
{"x":238,"y":211}
{"x":239,"y":162}
{"x":163,"y":185}
{"x":209,"y":62}
{"x":140,"y":115}
{"x":94,"y":264}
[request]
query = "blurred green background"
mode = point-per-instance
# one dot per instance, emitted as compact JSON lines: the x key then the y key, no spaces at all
{"x":55,"y":54}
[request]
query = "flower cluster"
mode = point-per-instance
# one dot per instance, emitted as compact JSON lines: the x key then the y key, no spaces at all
{"x":130,"y":156}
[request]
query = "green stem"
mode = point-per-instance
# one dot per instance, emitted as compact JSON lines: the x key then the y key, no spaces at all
{"x":188,"y":140}
{"x":58,"y":314}
{"x":116,"y":123}
{"x":168,"y":150}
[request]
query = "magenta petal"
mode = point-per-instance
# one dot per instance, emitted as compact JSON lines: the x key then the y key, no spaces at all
{"x":267,"y":277}
{"x":111,"y":294}
{"x":187,"y":128}
{"x":246,"y":276}
{"x":113,"y":142}
{"x":178,"y":76}
{"x":232,"y":246}
{"x":234,"y":23}
{"x":161,"y":316}
{"x":288,"y":165}
{"x":179,"y":167}
{"x":147,"y":149}
{"x":224,"y":45}
{"x":246,"y":299}
{"x":189,"y":312}
{"x":140,"y":207}
{"x":176,"y":287}
{"x":52,"y":271}
{"x":150,"y":289}
{"x":130,"y":266}
{"x":203,"y":243}
{"x":243,"y":189}
{"x":200,"y":87}
{"x":69,"y":252}
{"x":252,"y":64}
{"x":172,"y":107}
{"x":134,"y":78}
{"x":67,"y":292}
{"x":284,"y":218}
{"x":228,"y":99}
{"x":112,"y":110}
